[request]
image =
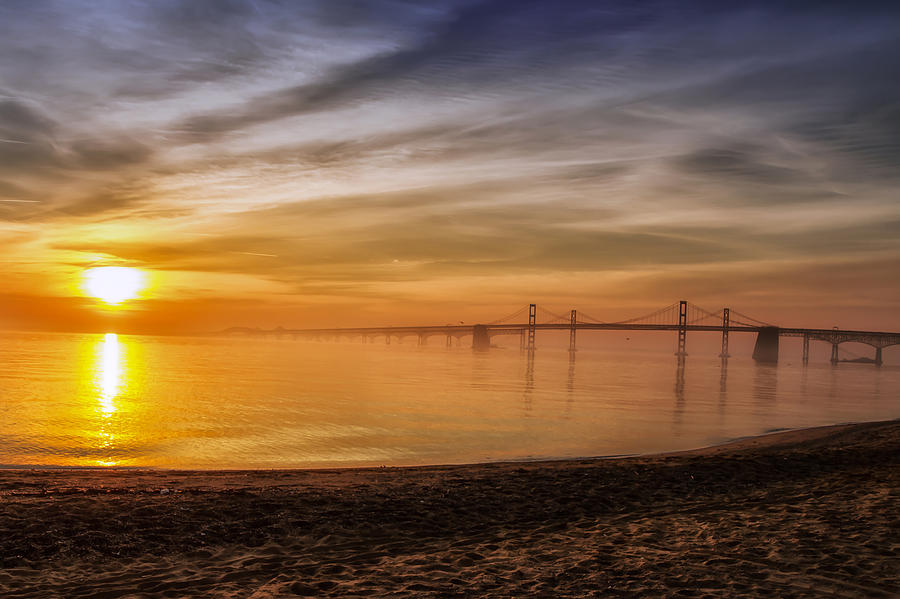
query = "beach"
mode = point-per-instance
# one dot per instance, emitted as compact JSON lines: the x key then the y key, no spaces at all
{"x":806,"y":513}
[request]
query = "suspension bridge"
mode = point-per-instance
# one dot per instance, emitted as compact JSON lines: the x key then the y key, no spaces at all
{"x":681,"y":318}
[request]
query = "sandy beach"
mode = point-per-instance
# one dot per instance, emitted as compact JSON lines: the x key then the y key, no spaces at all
{"x":806,"y":513}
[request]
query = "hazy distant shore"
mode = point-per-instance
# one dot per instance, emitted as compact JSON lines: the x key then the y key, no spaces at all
{"x":797,"y":513}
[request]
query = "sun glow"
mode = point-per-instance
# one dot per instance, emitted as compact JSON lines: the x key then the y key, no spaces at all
{"x":114,"y":284}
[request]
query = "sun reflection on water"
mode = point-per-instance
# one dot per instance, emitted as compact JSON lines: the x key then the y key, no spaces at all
{"x":109,"y":371}
{"x":109,"y":376}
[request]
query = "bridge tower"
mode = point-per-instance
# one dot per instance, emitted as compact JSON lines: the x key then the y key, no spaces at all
{"x":726,"y":322}
{"x":572,"y":322}
{"x":532,"y":321}
{"x":682,"y":328}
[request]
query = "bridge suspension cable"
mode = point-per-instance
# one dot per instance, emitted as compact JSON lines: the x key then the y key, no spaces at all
{"x":663,"y":316}
{"x":584,"y":318}
{"x":553,"y":317}
{"x":523,"y":311}
{"x":696,"y":315}
{"x":667,"y":315}
{"x":747,"y":321}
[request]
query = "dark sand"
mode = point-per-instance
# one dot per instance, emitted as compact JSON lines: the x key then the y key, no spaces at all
{"x":802,"y":514}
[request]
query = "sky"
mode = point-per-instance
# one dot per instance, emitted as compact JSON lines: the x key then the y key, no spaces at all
{"x":338,"y":162}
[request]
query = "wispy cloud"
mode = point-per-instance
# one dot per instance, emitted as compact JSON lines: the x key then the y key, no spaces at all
{"x":346,"y":147}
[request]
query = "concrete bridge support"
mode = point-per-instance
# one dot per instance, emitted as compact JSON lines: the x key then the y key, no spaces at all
{"x":806,"y":348}
{"x":423,"y":340}
{"x":766,"y":349}
{"x":481,"y":340}
{"x":878,"y":360}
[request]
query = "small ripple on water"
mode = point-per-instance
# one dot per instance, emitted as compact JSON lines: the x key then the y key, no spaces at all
{"x":225,"y":403}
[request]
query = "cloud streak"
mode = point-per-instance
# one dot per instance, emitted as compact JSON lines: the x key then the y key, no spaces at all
{"x":349,"y":148}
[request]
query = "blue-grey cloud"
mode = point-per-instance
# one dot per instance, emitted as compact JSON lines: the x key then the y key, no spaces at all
{"x":457,"y":137}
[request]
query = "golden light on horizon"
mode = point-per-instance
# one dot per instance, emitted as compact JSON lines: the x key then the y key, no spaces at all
{"x":114,"y":284}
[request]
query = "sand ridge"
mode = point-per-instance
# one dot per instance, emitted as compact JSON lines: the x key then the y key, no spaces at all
{"x":801,"y":513}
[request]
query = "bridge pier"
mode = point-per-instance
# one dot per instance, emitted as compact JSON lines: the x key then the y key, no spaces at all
{"x":805,"y":348}
{"x":726,"y":322}
{"x":481,"y":340}
{"x":834,"y":353}
{"x":423,"y":340}
{"x":766,"y":349}
{"x":449,"y":341}
{"x":878,"y":361}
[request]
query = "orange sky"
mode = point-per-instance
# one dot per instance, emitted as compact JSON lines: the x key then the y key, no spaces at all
{"x":312,"y":165}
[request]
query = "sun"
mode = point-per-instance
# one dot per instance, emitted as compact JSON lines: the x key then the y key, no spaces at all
{"x":113,"y":284}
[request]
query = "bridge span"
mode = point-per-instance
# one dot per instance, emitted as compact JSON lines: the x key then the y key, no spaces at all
{"x":681,"y":318}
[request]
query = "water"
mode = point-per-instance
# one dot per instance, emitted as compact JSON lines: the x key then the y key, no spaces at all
{"x":95,"y":400}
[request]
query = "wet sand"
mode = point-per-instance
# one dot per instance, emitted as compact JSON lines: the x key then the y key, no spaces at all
{"x":807,"y":513}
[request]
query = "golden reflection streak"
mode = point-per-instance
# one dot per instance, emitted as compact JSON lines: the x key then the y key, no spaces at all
{"x":109,"y":372}
{"x":108,"y":382}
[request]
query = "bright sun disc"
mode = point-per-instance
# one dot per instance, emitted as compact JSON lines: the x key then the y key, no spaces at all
{"x":113,"y":284}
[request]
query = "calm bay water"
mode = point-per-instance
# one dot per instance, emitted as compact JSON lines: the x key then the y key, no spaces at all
{"x":95,"y":400}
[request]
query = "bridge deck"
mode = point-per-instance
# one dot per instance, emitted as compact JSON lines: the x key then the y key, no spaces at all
{"x":873,"y":338}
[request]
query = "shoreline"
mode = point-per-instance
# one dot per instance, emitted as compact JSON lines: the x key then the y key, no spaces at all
{"x":772,"y":438}
{"x":799,"y":513}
